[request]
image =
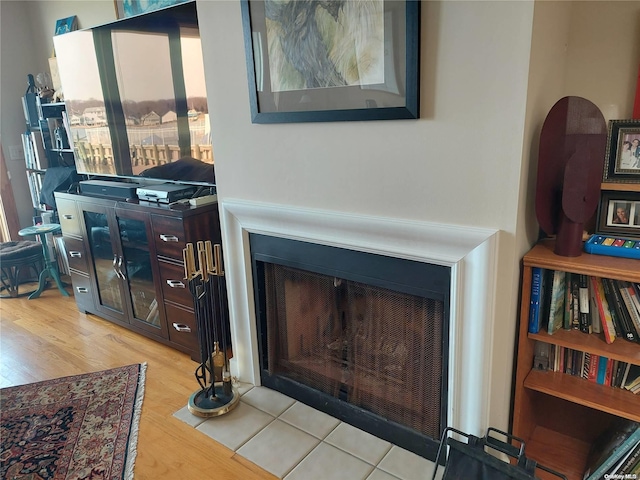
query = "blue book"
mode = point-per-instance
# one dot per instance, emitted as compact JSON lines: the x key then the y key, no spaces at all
{"x":536,"y":293}
{"x":602,"y":370}
{"x":616,"y":455}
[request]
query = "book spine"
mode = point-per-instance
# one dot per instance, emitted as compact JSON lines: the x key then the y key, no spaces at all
{"x":602,"y":370}
{"x":621,"y":311}
{"x":567,"y":318}
{"x":627,"y":299}
{"x":604,"y":312}
{"x":534,"y":308}
{"x":613,"y":309}
{"x":583,"y":302}
{"x":556,"y":312}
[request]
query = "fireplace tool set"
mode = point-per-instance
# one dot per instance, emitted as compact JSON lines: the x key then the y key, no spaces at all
{"x":207,"y":285}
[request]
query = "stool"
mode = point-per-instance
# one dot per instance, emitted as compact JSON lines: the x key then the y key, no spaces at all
{"x":13,"y":257}
{"x":50,"y":268}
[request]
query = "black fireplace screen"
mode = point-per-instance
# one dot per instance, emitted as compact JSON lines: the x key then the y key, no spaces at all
{"x":371,"y":355}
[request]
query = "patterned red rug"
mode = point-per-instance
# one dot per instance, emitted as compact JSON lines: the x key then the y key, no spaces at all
{"x":72,"y":428}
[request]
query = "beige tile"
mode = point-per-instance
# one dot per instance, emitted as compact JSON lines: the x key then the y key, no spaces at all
{"x":309,"y":419}
{"x":187,"y":417}
{"x":328,"y":462}
{"x":358,"y":443}
{"x":236,"y":427}
{"x":406,"y":465}
{"x":278,"y":448}
{"x":378,"y":474}
{"x":267,"y":400}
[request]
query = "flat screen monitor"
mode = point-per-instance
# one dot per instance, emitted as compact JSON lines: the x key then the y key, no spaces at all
{"x":136,"y":102}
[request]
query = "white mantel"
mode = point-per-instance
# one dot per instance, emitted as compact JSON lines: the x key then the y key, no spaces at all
{"x":471,"y":253}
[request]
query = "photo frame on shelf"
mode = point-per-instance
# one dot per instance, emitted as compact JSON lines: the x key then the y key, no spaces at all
{"x":622,"y":161}
{"x":619,"y":214}
{"x":376,"y":80}
{"x":128,"y":8}
{"x":66,"y":25}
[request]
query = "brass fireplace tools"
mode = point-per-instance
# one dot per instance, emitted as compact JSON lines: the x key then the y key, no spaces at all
{"x":207,"y":285}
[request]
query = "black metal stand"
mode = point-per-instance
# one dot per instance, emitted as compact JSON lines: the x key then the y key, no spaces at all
{"x":207,"y":285}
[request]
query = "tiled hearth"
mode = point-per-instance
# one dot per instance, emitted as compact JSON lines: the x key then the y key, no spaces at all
{"x":295,"y":442}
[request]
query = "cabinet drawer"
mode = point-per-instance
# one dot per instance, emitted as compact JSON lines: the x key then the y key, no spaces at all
{"x":169,"y":236}
{"x":82,"y":291}
{"x":76,"y":254}
{"x":69,"y":219}
{"x":174,"y":286}
{"x":182,"y":326}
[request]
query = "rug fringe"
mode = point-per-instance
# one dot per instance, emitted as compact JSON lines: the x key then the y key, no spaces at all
{"x":133,"y":436}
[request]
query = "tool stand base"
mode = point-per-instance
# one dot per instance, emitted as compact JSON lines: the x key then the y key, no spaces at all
{"x":203,"y":404}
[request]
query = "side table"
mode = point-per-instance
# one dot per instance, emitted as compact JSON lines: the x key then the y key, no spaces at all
{"x":50,"y":267}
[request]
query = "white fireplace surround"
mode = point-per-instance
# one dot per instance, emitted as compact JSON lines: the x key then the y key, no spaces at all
{"x":471,"y":253}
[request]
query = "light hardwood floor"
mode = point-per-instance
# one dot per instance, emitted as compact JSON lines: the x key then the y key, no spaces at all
{"x":48,"y":338}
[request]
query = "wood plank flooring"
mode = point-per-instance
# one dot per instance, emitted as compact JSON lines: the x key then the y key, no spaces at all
{"x":48,"y":338}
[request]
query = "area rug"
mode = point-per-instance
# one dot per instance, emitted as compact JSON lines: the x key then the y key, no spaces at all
{"x":72,"y":428}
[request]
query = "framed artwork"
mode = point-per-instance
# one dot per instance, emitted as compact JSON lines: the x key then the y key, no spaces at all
{"x":622,"y":162}
{"x":619,"y":214}
{"x":128,"y":8}
{"x":333,"y":60}
{"x":65,"y":25}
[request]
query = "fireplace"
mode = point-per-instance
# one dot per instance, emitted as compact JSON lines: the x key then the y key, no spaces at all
{"x":360,"y":336}
{"x":476,"y":379}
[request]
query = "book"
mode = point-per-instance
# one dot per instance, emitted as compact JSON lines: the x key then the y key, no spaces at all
{"x":537,"y":275}
{"x":596,"y":324}
{"x":610,"y":447}
{"x":602,"y":370}
{"x":556,"y":310}
{"x":593,"y":368}
{"x":584,"y":320}
{"x":567,"y":319}
{"x":627,"y":298}
{"x":628,"y":461}
{"x":623,"y":312}
{"x":619,"y":320}
{"x":633,"y":377}
{"x":603,"y":309}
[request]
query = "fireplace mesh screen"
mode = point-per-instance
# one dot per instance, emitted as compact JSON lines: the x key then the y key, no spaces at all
{"x":374,"y":348}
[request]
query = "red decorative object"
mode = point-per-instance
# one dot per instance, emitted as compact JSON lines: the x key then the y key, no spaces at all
{"x":72,"y":428}
{"x":570,"y":162}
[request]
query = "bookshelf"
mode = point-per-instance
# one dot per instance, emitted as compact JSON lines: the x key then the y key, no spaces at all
{"x":45,"y":144}
{"x":556,"y":414}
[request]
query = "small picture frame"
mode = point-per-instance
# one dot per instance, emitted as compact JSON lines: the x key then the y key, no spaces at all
{"x":66,"y":25}
{"x":622,"y":161}
{"x":619,"y":214}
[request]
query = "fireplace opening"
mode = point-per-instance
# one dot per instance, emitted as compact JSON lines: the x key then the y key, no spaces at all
{"x":360,"y":336}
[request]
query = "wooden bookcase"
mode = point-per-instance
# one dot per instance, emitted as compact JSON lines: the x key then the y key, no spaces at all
{"x":558,"y":415}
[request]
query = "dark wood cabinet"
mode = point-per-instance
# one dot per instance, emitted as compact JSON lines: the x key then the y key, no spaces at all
{"x":126,"y":265}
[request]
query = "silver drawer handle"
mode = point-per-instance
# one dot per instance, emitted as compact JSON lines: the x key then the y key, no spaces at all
{"x":67,"y":216}
{"x":75,"y":254}
{"x":181,"y":327}
{"x":175,"y":283}
{"x":82,"y":289}
{"x":169,"y":238}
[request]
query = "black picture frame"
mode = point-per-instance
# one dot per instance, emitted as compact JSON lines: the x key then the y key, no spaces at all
{"x":610,"y":202}
{"x":395,"y":56}
{"x":618,"y":168}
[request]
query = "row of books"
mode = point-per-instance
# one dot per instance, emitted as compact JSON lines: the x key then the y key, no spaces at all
{"x":590,"y":304}
{"x":615,"y":453}
{"x":35,"y":156}
{"x":594,"y":368}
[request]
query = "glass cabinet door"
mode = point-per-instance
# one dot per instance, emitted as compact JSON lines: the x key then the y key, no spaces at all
{"x":105,"y":260}
{"x":138,"y":272}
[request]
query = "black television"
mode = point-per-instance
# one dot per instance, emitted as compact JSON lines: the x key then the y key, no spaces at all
{"x":135,"y":96}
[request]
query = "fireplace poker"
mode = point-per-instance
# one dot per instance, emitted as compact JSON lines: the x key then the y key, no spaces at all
{"x":207,"y":286}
